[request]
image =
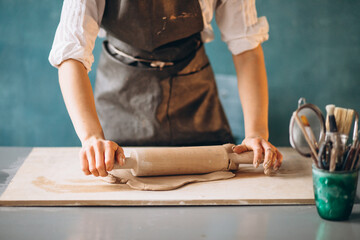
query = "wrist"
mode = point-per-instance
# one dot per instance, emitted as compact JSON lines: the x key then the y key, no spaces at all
{"x":91,"y":138}
{"x":263,"y":135}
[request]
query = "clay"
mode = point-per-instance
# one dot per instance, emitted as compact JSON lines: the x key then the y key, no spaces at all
{"x":162,"y":183}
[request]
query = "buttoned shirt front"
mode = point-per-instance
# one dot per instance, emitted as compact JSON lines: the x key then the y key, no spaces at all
{"x":80,"y":22}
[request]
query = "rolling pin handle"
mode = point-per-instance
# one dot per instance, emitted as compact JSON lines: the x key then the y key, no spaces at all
{"x":242,"y":158}
{"x":130,"y":163}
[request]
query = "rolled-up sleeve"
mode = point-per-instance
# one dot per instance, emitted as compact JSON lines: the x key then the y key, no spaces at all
{"x":239,"y":25}
{"x":77,"y":31}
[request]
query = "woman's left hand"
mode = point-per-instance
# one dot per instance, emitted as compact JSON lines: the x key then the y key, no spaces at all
{"x":264,"y":152}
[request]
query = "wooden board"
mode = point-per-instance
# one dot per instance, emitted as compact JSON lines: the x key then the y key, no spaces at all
{"x":52,"y":177}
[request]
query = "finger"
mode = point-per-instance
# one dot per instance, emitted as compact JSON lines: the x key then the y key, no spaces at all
{"x":273,"y":160}
{"x":268,"y":152}
{"x":279,"y":160}
{"x":84,"y":162}
{"x":90,"y":154}
{"x":100,"y":160}
{"x":109,"y":155}
{"x":267,"y":171}
{"x":255,"y":146}
{"x":258,"y":156}
{"x":269,"y":155}
{"x":120,"y":156}
{"x":240,"y":148}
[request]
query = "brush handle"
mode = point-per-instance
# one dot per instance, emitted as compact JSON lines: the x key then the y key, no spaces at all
{"x":337,"y":149}
{"x":324,"y":155}
{"x":355,"y":158}
{"x":356,"y":128}
{"x":349,"y":159}
{"x":333,"y":158}
{"x":312,"y":147}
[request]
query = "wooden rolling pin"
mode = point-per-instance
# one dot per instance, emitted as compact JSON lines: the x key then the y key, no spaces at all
{"x":183,"y":160}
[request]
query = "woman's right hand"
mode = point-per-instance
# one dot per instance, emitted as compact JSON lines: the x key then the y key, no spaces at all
{"x":97,"y":156}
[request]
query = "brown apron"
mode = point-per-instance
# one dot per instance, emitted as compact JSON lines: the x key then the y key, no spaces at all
{"x":143,"y":102}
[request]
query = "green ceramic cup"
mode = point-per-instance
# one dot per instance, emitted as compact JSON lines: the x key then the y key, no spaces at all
{"x":334,"y":193}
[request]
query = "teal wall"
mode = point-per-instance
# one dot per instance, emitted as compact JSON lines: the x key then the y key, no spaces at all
{"x":313,"y":52}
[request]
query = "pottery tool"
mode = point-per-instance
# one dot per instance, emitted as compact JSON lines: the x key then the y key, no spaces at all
{"x":331,"y":151}
{"x":324,"y":154}
{"x":350,"y":158}
{"x":309,"y":132}
{"x":333,"y":159}
{"x":352,"y":155}
{"x":354,"y":162}
{"x":314,"y":154}
{"x":183,"y":160}
{"x":334,"y":137}
{"x":344,"y":118}
{"x":330,"y":118}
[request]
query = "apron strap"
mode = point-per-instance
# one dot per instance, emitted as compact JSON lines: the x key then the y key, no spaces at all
{"x":152,"y":63}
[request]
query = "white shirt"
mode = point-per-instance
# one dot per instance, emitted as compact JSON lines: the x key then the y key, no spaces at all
{"x":80,"y":21}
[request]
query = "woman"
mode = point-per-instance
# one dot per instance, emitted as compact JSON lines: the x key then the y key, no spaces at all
{"x":154,"y":84}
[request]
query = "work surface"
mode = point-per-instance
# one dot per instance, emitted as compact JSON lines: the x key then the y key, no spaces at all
{"x":52,"y":177}
{"x":212,"y":222}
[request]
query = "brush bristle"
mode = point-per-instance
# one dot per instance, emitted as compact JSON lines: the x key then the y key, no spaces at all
{"x":304,"y":121}
{"x":330,"y":109}
{"x":344,"y":118}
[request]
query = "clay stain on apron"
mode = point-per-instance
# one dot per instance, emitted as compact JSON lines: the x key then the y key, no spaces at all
{"x":172,"y":18}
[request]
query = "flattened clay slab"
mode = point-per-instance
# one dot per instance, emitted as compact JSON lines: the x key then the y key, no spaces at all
{"x":52,"y":177}
{"x":163,"y":183}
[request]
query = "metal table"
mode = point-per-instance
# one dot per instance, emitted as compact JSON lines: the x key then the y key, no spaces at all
{"x":211,"y":222}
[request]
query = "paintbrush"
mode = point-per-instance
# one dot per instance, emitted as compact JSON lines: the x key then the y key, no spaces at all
{"x":334,"y":137}
{"x":330,"y":118}
{"x":353,"y":152}
{"x":344,"y":118}
{"x":354,"y":164}
{"x":309,"y":131}
{"x":313,"y":154}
